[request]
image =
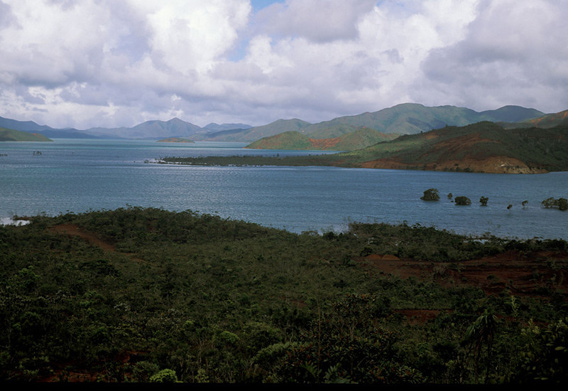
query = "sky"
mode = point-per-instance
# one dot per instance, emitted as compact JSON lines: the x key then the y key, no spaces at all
{"x":109,"y":63}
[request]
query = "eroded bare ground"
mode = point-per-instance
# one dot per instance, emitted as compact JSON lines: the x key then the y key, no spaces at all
{"x":523,"y":274}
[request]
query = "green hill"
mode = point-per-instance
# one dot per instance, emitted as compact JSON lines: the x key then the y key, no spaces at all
{"x":290,"y":140}
{"x":293,"y":140}
{"x":481,"y":147}
{"x":258,"y":132}
{"x":17,"y":135}
{"x":544,"y":121}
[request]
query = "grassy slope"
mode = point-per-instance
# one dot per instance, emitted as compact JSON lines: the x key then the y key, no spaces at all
{"x":17,"y":135}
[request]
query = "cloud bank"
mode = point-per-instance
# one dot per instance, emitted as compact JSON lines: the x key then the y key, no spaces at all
{"x":118,"y":63}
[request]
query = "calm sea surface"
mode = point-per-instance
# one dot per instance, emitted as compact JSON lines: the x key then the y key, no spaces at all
{"x":81,"y":175}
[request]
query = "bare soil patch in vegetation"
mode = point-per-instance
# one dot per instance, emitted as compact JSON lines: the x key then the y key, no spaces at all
{"x":523,"y":274}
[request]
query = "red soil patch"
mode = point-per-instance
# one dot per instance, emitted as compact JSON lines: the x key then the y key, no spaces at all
{"x":527,"y":275}
{"x":324,"y":143}
{"x":492,"y":165}
{"x":521,"y":274}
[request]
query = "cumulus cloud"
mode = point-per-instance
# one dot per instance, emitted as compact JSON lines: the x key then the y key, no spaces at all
{"x":117,"y":63}
{"x":512,"y":52}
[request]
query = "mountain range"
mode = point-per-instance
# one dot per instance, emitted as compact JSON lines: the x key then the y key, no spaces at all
{"x":408,"y":118}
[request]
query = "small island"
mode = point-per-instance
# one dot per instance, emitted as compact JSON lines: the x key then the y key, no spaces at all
{"x":176,"y":140}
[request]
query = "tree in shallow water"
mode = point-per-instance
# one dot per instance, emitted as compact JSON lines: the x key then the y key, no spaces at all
{"x":430,"y":195}
{"x":462,"y":200}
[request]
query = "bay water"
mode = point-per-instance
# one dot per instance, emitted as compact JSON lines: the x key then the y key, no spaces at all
{"x":69,"y":175}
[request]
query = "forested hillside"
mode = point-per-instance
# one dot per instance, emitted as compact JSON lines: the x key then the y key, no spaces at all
{"x":148,"y":295}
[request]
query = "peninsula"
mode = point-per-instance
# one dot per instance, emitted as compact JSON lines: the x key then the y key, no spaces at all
{"x":484,"y":147}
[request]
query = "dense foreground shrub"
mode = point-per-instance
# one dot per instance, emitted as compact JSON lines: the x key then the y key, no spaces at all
{"x":150,"y":295}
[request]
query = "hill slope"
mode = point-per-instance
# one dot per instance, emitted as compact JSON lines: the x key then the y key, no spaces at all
{"x":481,"y":147}
{"x":17,"y":135}
{"x":544,"y":121}
{"x":293,"y":140}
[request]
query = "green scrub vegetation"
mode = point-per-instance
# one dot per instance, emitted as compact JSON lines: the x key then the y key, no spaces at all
{"x":149,"y":295}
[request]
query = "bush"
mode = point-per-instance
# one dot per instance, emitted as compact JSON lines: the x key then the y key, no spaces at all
{"x":164,"y":376}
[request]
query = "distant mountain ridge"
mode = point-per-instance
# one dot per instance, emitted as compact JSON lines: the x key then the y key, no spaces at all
{"x":213,"y":127}
{"x":407,"y":118}
{"x":258,"y":132}
{"x":154,"y":129}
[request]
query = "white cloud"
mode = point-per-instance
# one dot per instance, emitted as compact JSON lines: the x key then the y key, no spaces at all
{"x":512,"y":54}
{"x":117,"y":63}
{"x":315,"y":20}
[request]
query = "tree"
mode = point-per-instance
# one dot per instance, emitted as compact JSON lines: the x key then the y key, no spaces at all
{"x":430,"y":195}
{"x":483,"y":200}
{"x":480,"y":333}
{"x":560,"y":203}
{"x":346,"y":344}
